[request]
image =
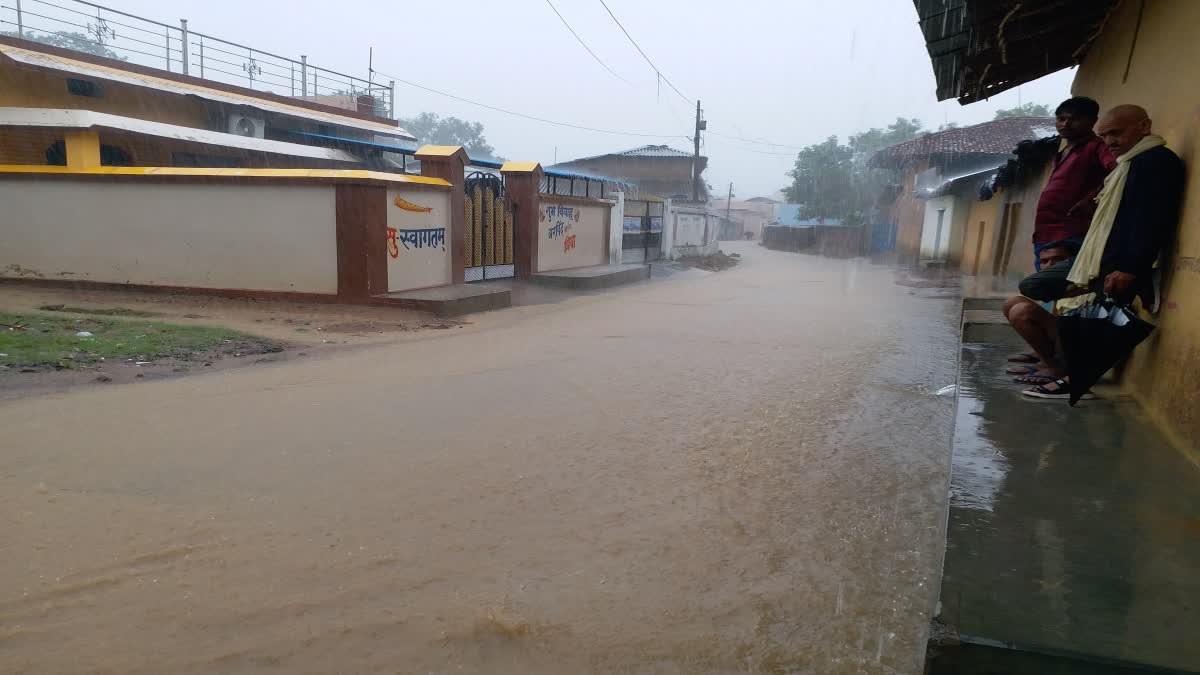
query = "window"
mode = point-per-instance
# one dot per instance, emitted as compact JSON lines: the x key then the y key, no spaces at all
{"x":83,"y":88}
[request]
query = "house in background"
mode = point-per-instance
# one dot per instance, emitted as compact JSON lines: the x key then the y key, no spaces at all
{"x":54,"y":100}
{"x":747,"y":217}
{"x":935,"y":206}
{"x":660,"y":172}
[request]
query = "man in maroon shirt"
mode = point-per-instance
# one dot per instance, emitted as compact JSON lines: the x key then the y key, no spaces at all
{"x":1065,"y":209}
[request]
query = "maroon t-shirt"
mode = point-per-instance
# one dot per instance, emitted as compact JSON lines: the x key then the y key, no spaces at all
{"x":1078,"y":175}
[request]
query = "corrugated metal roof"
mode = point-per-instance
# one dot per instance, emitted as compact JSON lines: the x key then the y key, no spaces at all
{"x":998,"y":137}
{"x":980,"y":48}
{"x":59,"y":118}
{"x":38,"y":59}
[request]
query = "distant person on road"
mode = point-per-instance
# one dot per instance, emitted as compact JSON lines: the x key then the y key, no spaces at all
{"x":1064,"y":210}
{"x":1136,"y":216}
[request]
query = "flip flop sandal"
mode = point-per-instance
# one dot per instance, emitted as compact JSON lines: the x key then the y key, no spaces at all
{"x":1034,"y":378}
{"x":1061,"y":391}
{"x":1027,"y":357}
{"x":1021,"y":370}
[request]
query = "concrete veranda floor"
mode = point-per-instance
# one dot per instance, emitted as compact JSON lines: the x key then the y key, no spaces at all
{"x":1072,"y":532}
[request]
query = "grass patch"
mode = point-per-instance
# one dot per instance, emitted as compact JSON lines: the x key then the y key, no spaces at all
{"x":51,"y":341}
{"x":114,"y":311}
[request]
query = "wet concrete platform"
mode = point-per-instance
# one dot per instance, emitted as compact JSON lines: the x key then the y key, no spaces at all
{"x":447,"y":301}
{"x":595,"y":277}
{"x":1073,"y":534}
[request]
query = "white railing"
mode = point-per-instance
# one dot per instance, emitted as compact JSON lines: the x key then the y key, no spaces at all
{"x":88,"y":27}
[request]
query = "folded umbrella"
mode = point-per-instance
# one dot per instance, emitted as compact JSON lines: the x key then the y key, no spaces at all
{"x":1095,"y":338}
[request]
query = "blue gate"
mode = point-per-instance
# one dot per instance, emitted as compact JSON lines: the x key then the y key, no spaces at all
{"x":883,"y":237}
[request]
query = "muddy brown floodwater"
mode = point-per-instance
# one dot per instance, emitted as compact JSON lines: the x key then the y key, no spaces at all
{"x":744,"y":472}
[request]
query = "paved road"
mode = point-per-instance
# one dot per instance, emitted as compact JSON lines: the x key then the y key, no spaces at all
{"x":744,"y":472}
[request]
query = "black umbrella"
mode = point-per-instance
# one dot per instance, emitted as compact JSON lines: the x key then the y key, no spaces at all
{"x":1094,"y":338}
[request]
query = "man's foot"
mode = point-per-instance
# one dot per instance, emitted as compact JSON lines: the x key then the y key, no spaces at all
{"x":1027,"y":357}
{"x":1028,"y":369}
{"x":1035,"y":378}
{"x":1056,"y":389}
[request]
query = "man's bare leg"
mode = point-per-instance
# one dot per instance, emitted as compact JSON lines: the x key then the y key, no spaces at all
{"x":1037,"y":327}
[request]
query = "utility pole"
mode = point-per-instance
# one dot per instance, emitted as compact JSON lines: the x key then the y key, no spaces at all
{"x":729,"y":203}
{"x":700,"y":126}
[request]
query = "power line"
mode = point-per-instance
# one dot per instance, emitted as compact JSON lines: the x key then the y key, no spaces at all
{"x":767,"y":152}
{"x":751,"y":140}
{"x":528,"y":117}
{"x":584,"y":44}
{"x":635,"y":44}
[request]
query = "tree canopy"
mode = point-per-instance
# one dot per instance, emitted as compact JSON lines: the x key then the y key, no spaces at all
{"x":832,"y":180}
{"x":1026,"y":110}
{"x":75,"y":41}
{"x":437,"y":130}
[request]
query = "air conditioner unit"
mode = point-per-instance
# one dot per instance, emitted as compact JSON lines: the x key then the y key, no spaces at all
{"x":251,"y":127}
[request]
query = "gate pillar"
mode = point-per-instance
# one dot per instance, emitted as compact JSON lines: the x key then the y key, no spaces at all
{"x":522,"y":181}
{"x":449,"y":162}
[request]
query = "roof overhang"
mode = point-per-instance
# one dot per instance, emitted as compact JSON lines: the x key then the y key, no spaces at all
{"x":55,"y":62}
{"x":59,"y":118}
{"x":980,"y":48}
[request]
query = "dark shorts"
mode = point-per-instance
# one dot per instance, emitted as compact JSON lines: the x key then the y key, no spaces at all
{"x":1048,"y":284}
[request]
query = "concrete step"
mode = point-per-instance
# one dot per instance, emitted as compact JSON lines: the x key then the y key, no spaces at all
{"x":988,"y":326}
{"x":448,"y":301}
{"x":592,"y":278}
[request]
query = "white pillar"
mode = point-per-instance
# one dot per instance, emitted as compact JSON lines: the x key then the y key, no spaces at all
{"x":616,"y":229}
{"x":668,"y":233}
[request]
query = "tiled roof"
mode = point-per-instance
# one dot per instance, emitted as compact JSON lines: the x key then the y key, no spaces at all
{"x":644,"y":151}
{"x":998,"y":137}
{"x":654,"y":151}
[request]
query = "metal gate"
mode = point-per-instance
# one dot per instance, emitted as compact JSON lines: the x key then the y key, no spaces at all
{"x":489,"y":231}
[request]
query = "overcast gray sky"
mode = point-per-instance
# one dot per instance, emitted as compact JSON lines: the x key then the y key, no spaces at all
{"x":791,"y":73}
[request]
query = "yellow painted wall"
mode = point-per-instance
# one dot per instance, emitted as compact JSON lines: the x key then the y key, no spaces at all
{"x":1162,"y":78}
{"x":419,"y":254}
{"x":582,"y":239}
{"x":910,"y":215}
{"x":27,"y":88}
{"x":979,"y":236}
{"x":251,"y":236}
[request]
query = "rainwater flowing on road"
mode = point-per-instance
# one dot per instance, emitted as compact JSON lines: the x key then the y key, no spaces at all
{"x":741,"y":472}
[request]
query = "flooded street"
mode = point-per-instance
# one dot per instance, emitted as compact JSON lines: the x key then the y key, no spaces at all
{"x":744,"y":472}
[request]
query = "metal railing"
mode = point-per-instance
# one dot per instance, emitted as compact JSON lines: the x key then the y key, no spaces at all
{"x":103,"y":31}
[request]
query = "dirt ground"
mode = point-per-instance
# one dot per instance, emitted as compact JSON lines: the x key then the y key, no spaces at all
{"x":300,"y":330}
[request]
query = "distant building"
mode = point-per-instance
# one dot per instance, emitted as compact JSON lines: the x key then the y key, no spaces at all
{"x":747,"y":217}
{"x":658,"y":170}
{"x":942,"y":174}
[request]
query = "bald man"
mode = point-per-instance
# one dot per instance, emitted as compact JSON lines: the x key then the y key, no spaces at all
{"x":1149,"y":211}
{"x":1145,"y":220}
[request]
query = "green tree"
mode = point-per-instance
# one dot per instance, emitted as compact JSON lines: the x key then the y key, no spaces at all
{"x":1026,"y":110}
{"x":65,"y":40}
{"x":822,"y":180}
{"x":869,"y":141}
{"x":434,"y":129}
{"x":833,"y":180}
